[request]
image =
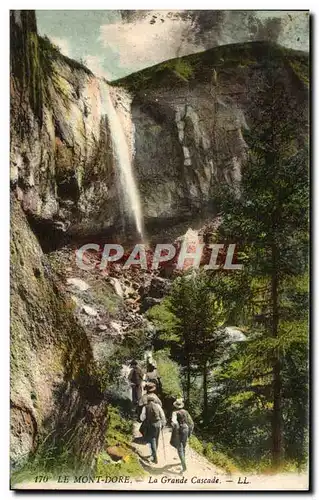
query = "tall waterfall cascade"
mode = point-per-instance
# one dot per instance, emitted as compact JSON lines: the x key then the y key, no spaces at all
{"x":123,"y":158}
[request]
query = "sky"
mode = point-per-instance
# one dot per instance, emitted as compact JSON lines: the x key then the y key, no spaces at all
{"x":115,"y":43}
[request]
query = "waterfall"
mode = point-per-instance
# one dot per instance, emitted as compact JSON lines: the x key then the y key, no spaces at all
{"x":122,"y":158}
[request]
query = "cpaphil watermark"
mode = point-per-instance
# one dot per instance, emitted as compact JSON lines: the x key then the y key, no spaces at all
{"x":211,"y":257}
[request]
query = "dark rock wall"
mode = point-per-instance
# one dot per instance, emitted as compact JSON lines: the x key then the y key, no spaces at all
{"x":53,"y":384}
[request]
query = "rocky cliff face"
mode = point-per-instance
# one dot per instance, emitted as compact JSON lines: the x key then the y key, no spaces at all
{"x":184,"y":122}
{"x":53,"y":385}
{"x":60,"y":150}
{"x":191,"y":115}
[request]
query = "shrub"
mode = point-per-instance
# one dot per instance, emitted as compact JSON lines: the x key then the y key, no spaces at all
{"x":119,"y":433}
{"x":119,"y":430}
{"x":218,"y":458}
{"x":183,"y":69}
{"x":170,"y":375}
{"x":196,"y":444}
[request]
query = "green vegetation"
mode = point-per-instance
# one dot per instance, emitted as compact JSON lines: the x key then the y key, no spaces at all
{"x":199,"y":67}
{"x":53,"y":461}
{"x":117,"y":353}
{"x":274,"y":186}
{"x":180,"y":67}
{"x":250,"y":398}
{"x":104,"y":294}
{"x":50,"y":460}
{"x":196,"y":444}
{"x":50,"y":74}
{"x":34,"y":61}
{"x":53,"y":52}
{"x":119,"y":430}
{"x":119,"y":434}
{"x":170,"y":374}
{"x":218,"y":458}
{"x":301,"y":69}
{"x":192,"y":318}
{"x":129,"y":466}
{"x":25,"y":66}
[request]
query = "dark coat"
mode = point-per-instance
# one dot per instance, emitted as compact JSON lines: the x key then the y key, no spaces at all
{"x":149,"y":430}
{"x":183,"y":429}
{"x":179,"y":435}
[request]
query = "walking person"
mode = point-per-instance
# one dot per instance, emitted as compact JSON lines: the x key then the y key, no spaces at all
{"x":152,"y":375}
{"x":150,"y":388}
{"x":136,"y":379}
{"x":153,"y":420}
{"x":182,"y":428}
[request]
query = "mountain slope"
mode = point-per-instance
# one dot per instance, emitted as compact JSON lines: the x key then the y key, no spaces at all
{"x":189,"y":70}
{"x":190,"y":116}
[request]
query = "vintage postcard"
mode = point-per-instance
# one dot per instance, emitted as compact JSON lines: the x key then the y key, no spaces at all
{"x":159,"y":177}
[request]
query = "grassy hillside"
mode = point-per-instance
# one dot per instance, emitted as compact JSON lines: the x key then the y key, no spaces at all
{"x":198,"y":67}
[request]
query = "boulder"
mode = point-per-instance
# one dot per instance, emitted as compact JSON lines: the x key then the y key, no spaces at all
{"x":159,"y":287}
{"x":117,"y":453}
{"x":78,"y":284}
{"x":234,"y":334}
{"x":116,"y":326}
{"x":117,"y":287}
{"x":90,"y":311}
{"x":102,"y":328}
{"x":75,"y":300}
{"x":149,"y":302}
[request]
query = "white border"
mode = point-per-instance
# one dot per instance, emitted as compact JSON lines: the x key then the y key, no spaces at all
{"x":4,"y":194}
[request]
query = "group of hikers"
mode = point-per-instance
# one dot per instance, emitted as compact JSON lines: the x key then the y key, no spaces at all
{"x":149,"y":408}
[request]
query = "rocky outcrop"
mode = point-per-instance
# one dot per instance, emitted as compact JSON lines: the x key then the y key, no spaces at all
{"x":53,"y":385}
{"x":184,"y":121}
{"x":191,"y":115}
{"x":61,"y":154}
{"x":178,"y":145}
{"x":107,"y":303}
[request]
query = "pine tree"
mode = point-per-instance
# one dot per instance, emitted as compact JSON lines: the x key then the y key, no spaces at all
{"x":191,"y":322}
{"x":270,"y":219}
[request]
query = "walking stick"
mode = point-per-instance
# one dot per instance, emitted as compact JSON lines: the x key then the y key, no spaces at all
{"x":163,"y":444}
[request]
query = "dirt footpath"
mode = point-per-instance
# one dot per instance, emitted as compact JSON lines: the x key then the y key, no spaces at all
{"x":167,"y":474}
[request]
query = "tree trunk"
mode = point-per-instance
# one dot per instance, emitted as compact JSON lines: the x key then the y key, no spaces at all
{"x":188,"y":381}
{"x":205,"y":408}
{"x":276,"y":367}
{"x":276,"y":417}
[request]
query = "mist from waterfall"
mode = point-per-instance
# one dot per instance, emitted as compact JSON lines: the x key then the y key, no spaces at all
{"x":123,"y":159}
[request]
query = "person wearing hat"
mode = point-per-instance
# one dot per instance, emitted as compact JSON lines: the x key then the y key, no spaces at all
{"x":152,"y":375}
{"x":182,"y":428}
{"x":136,"y":378}
{"x":150,"y":388}
{"x":153,"y":420}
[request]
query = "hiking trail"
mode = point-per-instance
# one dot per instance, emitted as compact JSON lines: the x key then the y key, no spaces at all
{"x":169,"y":476}
{"x":166,"y":475}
